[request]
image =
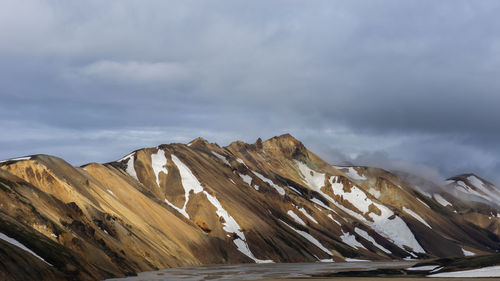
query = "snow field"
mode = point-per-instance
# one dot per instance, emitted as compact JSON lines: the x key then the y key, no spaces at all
{"x":158,"y":162}
{"x":394,"y":229}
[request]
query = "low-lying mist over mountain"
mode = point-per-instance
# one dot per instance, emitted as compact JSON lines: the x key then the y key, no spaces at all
{"x":271,"y":201}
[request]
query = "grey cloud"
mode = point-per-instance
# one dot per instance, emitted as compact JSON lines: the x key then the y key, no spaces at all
{"x":416,"y":80}
{"x":138,"y":72}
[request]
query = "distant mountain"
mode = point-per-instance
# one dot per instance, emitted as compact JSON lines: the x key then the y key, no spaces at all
{"x":474,"y":188}
{"x":270,"y":201}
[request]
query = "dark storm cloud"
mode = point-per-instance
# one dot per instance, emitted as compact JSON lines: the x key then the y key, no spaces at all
{"x":368,"y":82}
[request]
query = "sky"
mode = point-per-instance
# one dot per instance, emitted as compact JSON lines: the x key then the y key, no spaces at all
{"x":403,"y":85}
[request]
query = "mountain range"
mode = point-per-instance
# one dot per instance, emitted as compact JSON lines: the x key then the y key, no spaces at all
{"x":198,"y":203}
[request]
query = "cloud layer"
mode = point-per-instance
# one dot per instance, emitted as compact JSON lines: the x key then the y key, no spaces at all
{"x":366,"y":82}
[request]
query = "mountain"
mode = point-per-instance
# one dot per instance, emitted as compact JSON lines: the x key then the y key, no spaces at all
{"x":270,"y":201}
{"x":474,"y":188}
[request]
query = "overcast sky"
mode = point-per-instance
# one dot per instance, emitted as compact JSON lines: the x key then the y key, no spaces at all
{"x":412,"y":85}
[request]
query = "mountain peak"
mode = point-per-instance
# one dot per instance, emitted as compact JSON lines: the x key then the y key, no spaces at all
{"x":471,"y":178}
{"x":461,"y":176}
{"x":286,"y":136}
{"x":201,"y":142}
{"x":285,"y":139}
{"x":465,"y":177}
{"x":286,"y":144}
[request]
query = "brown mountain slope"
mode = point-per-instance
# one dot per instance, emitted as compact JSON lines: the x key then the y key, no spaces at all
{"x":176,"y":204}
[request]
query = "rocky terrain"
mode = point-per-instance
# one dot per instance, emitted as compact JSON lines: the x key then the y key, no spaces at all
{"x":198,"y":203}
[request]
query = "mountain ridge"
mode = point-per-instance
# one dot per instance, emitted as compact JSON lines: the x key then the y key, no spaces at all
{"x":199,"y":203}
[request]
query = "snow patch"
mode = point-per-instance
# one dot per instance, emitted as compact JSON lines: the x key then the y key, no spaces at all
{"x":130,"y":166}
{"x":158,"y":162}
{"x":425,"y":204}
{"x":278,"y":188}
{"x":231,"y":226}
{"x":305,"y":213}
{"x":17,"y":159}
{"x":423,"y":268}
{"x":296,"y":218}
{"x":247,"y":179}
{"x":20,"y":245}
{"x":416,"y":216}
{"x":354,"y":175}
{"x":356,"y":197}
{"x":489,"y":194}
{"x":312,"y":178}
{"x":421,"y":190}
{"x":310,"y":238}
{"x":355,"y":260}
{"x":241,"y":162}
{"x":224,"y":160}
{"x":468,"y":253}
{"x":436,"y":269}
{"x":182,"y":211}
{"x":295,"y":190}
{"x":441,"y":200}
{"x":319,"y":202}
{"x":475,"y":181}
{"x":189,"y":183}
{"x":367,"y":236}
{"x":126,"y":157}
{"x":111,"y":192}
{"x":350,"y":240}
{"x":331,"y":217}
{"x":242,"y":246}
{"x":463,"y":187}
{"x":394,"y":229}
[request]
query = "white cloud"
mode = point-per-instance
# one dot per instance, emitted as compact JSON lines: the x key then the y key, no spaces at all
{"x":137,"y":71}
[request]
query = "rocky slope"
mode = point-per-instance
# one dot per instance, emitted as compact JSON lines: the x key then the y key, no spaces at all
{"x":271,"y":201}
